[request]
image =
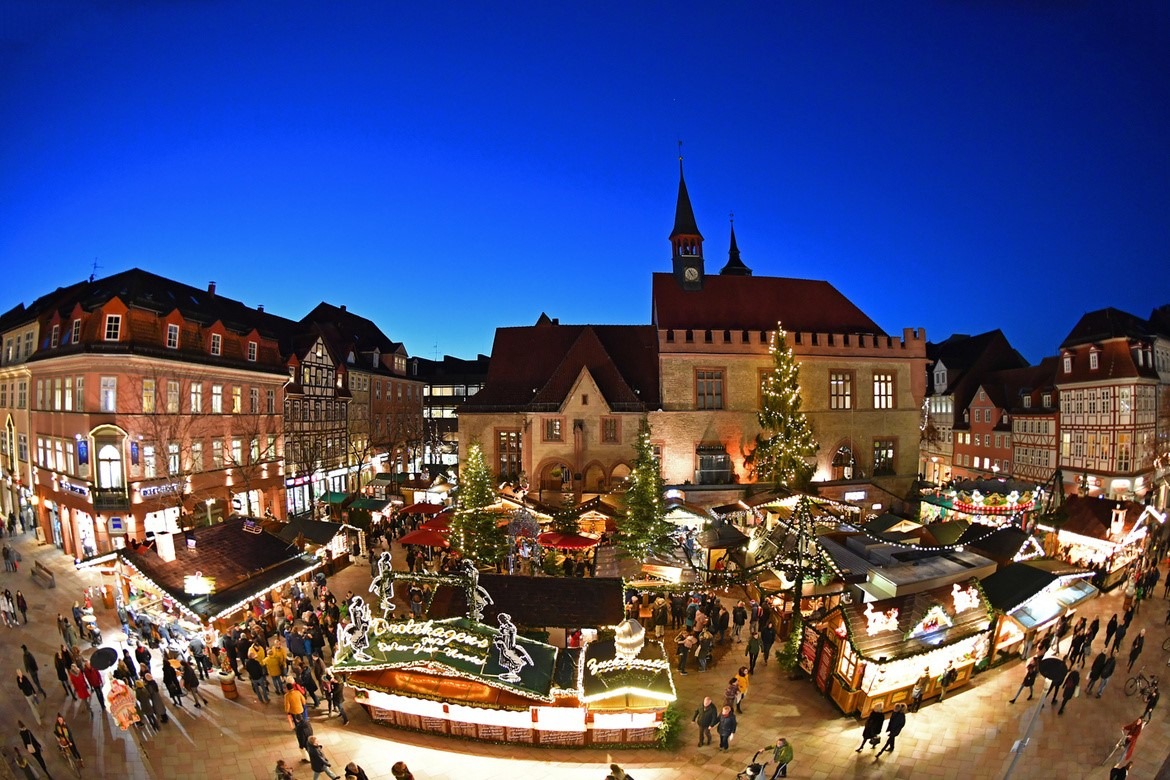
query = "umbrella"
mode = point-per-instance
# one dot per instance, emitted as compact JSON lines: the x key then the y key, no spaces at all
{"x":441,"y":522}
{"x":425,"y":537}
{"x":103,"y":658}
{"x":566,"y":541}
{"x":421,"y":509}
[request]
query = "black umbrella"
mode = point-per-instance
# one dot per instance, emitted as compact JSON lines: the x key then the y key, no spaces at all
{"x":1053,"y":668}
{"x":103,"y":658}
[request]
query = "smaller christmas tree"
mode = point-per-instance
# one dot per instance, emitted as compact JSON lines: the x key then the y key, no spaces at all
{"x":786,"y":444}
{"x":475,"y":532}
{"x":644,"y":530}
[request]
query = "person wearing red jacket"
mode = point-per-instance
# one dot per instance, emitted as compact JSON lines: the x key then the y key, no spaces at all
{"x":94,"y":678}
{"x":80,"y":686}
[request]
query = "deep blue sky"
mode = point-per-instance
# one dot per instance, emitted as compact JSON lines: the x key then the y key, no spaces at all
{"x":447,"y":168}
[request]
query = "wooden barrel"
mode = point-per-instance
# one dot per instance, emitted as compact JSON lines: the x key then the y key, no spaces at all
{"x":227,"y":683}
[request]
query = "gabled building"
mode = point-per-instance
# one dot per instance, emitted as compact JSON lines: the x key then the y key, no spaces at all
{"x":1035,"y":424}
{"x":956,"y":368}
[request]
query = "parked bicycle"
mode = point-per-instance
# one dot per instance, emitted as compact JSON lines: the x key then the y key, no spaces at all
{"x":1140,"y":683}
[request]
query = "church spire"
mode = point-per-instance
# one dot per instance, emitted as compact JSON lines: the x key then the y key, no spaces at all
{"x":686,"y":242}
{"x":735,"y":266}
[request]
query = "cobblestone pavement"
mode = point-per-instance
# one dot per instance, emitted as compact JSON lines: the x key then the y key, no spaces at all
{"x":968,"y":736}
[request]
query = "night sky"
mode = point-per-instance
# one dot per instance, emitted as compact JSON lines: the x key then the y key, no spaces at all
{"x":447,"y":168}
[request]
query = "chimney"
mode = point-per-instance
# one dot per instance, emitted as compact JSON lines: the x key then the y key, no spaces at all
{"x":260,"y":308}
{"x":211,"y":288}
{"x":342,"y":307}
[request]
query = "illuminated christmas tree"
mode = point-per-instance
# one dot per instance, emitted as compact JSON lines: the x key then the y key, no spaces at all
{"x":786,"y":444}
{"x":475,"y":532}
{"x":644,"y":530}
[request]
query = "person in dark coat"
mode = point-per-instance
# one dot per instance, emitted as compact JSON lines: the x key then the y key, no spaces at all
{"x":894,"y":727}
{"x":1029,"y":680}
{"x":191,"y":684}
{"x":130,"y":667}
{"x":1095,"y":671}
{"x":706,"y":717}
{"x":32,"y":746}
{"x":1069,"y":689}
{"x":1110,"y":630}
{"x":317,"y":761}
{"x":1106,"y":673}
{"x":726,"y":728}
{"x":873,"y":727}
{"x":1139,"y":643}
{"x":145,"y":703}
{"x":171,"y":681}
{"x":156,"y":699}
{"x":62,"y":662}
{"x":32,"y":668}
{"x":767,"y":639}
{"x":355,"y":772}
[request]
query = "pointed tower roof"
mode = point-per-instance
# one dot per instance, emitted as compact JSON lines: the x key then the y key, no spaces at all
{"x":684,"y":215}
{"x":735,"y":266}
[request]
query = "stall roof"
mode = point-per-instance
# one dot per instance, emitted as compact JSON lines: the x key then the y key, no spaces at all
{"x":241,"y":562}
{"x":370,"y":504}
{"x":890,"y":523}
{"x":1013,"y":585}
{"x":898,"y":643}
{"x":721,"y":536}
{"x":333,"y":497}
{"x":546,"y":602}
{"x":455,"y":647}
{"x":647,"y":677}
{"x":1002,"y":544}
{"x":1093,"y":517}
{"x":319,"y":532}
{"x":948,"y":532}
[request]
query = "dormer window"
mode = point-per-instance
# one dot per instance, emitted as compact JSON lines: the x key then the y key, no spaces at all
{"x":1068,"y":364}
{"x":1094,"y":360}
{"x":55,"y":338}
{"x":252,"y":348}
{"x":1046,"y":399}
{"x":76,"y":332}
{"x":940,"y":377}
{"x":1027,"y":402}
{"x":113,"y":327}
{"x":172,"y":336}
{"x":216,"y":344}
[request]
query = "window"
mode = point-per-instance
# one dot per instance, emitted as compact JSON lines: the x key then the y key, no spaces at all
{"x":237,"y":400}
{"x":22,"y":395}
{"x":552,"y":429}
{"x":254,"y":400}
{"x":40,"y":394}
{"x":883,"y":391}
{"x":237,"y":452}
{"x":216,"y":344}
{"x":1067,"y":364}
{"x":1027,"y":402}
{"x":197,"y":455}
{"x":109,"y":394}
{"x":840,"y":390}
{"x":55,"y":339}
{"x":714,"y":465}
{"x":4,"y":395}
{"x":28,"y":344}
{"x":883,"y":457}
{"x":173,"y":466}
{"x":1093,"y":361}
{"x":113,"y":327}
{"x":252,"y":351}
{"x":508,"y":454}
{"x":68,"y":394}
{"x":216,"y":454}
{"x":57,"y":403}
{"x":148,"y":396}
{"x":272,"y":402}
{"x":172,"y":336}
{"x":708,"y":389}
{"x":148,"y":464}
{"x":76,"y":337}
{"x":217,"y":399}
{"x":610,"y":430}
{"x":196,"y":398}
{"x":172,"y":396}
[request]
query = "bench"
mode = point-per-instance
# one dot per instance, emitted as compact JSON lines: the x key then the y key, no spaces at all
{"x":42,"y":576}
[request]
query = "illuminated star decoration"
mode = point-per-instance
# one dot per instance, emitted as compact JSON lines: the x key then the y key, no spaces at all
{"x":383,"y":584}
{"x":512,"y":657}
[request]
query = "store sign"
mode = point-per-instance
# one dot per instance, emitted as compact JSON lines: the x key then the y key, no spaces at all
{"x":169,"y":489}
{"x":426,"y":639}
{"x":77,"y":490}
{"x":655,"y":665}
{"x":880,"y":621}
{"x":198,"y":585}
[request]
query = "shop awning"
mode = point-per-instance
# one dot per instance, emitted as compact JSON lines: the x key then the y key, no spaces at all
{"x":333,"y":498}
{"x":370,"y":504}
{"x":1013,"y":586}
{"x":566,"y":541}
{"x":424,"y":537}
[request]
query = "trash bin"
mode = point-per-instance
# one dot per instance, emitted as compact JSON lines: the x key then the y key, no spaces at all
{"x":227,"y":683}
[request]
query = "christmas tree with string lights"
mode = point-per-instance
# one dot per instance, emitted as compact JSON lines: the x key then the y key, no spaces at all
{"x":475,"y":532}
{"x":644,"y":530}
{"x":801,"y":559}
{"x":783,"y":449}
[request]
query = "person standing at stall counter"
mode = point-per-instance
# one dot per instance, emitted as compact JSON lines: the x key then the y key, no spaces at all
{"x":919,"y":689}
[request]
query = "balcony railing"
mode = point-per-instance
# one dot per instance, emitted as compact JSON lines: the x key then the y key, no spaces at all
{"x":111,"y":499}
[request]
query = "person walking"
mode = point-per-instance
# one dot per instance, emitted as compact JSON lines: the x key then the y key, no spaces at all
{"x":872,"y":730}
{"x":742,"y":681}
{"x":94,"y":679}
{"x":726,"y":727}
{"x":80,"y":686}
{"x":171,"y":682}
{"x":355,"y":772}
{"x":739,"y":617}
{"x":1118,"y":638}
{"x":1091,"y":634}
{"x":1110,"y":630}
{"x":25,"y":685}
{"x":401,"y":771}
{"x":781,"y":756}
{"x":1095,"y":671}
{"x":919,"y":690}
{"x":22,"y":605}
{"x":894,"y":727}
{"x":317,"y":761}
{"x":335,"y":696}
{"x":1030,"y":672}
{"x":156,"y":699}
{"x":1106,"y":673}
{"x":1072,"y":685}
{"x":767,"y":639}
{"x":706,"y":717}
{"x":32,"y":669}
{"x":191,"y":684}
{"x":65,"y":740}
{"x":1152,"y":697}
{"x":1135,"y":649}
{"x":1056,"y":683}
{"x":752,"y":651}
{"x":145,"y":703}
{"x":61,"y":663}
{"x":294,"y":702}
{"x":32,"y":746}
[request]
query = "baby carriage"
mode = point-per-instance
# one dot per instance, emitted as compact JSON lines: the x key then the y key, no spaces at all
{"x":755,"y":769}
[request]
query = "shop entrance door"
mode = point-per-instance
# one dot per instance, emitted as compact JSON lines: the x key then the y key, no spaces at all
{"x":826,"y":659}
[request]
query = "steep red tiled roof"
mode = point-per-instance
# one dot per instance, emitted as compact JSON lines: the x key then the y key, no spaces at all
{"x":1114,"y":361}
{"x":1093,"y":516}
{"x":539,"y":364}
{"x":757,"y":303}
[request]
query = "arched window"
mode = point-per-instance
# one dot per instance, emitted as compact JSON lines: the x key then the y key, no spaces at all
{"x":843,"y":463}
{"x":109,"y":467}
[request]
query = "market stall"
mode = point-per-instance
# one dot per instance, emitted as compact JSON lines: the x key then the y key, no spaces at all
{"x":991,"y":502}
{"x":862,"y":654}
{"x":333,"y":543}
{"x":1100,"y":534}
{"x":1030,"y":596}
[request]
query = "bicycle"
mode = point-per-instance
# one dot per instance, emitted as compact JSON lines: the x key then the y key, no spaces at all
{"x":70,"y":759}
{"x":1140,"y":683}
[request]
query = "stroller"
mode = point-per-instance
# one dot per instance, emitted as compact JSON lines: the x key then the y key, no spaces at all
{"x":93,"y":635}
{"x":755,"y":769}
